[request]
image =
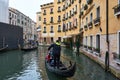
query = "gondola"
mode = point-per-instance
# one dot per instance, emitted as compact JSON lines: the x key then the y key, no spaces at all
{"x":4,"y":48}
{"x":29,"y":48}
{"x":62,"y":71}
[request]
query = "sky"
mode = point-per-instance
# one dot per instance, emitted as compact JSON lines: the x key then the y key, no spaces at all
{"x":28,"y":7}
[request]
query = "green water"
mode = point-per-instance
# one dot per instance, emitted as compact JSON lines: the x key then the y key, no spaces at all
{"x":19,"y":65}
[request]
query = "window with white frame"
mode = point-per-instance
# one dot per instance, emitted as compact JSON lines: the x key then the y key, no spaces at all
{"x":59,"y":27}
{"x":118,"y":1}
{"x":86,"y":20}
{"x":44,"y":28}
{"x":98,"y":12}
{"x":91,"y":17}
{"x":51,"y":29}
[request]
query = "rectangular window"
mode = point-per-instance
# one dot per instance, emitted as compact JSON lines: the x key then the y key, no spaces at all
{"x":118,"y":1}
{"x":39,"y":18}
{"x":59,"y":18}
{"x":51,"y":10}
{"x":44,"y":28}
{"x":44,"y":19}
{"x":59,"y":27}
{"x":44,"y":39}
{"x":59,"y":38}
{"x":52,"y":28}
{"x":52,"y":39}
{"x":98,"y":12}
{"x":52,"y":19}
{"x":86,"y":20}
{"x":91,"y":17}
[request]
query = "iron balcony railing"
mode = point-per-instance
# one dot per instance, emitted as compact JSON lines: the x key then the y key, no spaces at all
{"x":89,"y":1}
{"x":51,"y":31}
{"x":90,"y":24}
{"x":97,"y":21}
{"x":59,"y":30}
{"x":44,"y":32}
{"x":44,"y":13}
{"x":44,"y":22}
{"x":117,"y":9}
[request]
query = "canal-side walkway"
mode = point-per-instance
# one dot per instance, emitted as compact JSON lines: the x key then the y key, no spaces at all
{"x":114,"y":69}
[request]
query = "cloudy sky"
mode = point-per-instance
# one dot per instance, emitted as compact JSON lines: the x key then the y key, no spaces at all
{"x":28,"y":7}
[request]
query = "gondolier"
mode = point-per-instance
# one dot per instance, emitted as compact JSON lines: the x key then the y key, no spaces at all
{"x":56,"y":52}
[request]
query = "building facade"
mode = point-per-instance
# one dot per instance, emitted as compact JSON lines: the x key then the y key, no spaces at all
{"x":89,"y":21}
{"x":60,"y":20}
{"x":4,"y":11}
{"x":38,"y":27}
{"x":29,"y":26}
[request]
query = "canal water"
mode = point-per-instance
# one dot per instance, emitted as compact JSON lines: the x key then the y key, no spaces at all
{"x":19,"y":65}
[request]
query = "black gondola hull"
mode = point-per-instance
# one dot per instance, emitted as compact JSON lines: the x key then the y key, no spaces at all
{"x":29,"y":49}
{"x":69,"y":72}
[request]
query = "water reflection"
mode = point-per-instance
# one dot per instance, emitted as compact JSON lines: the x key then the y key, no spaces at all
{"x":18,"y":65}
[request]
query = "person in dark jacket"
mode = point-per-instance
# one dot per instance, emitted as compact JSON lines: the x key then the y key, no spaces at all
{"x":56,"y":48}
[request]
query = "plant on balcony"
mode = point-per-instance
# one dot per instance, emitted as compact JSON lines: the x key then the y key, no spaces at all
{"x":58,"y":2}
{"x":116,"y":9}
{"x":75,"y":12}
{"x":51,"y":12}
{"x":81,"y":13}
{"x":51,"y":21}
{"x":97,"y":50}
{"x":59,"y":30}
{"x":89,"y":1}
{"x":44,"y":13}
{"x":85,"y":46}
{"x":81,"y":29}
{"x":59,"y":20}
{"x":44,"y":22}
{"x":44,"y":31}
{"x":90,"y":25}
{"x":89,"y":47}
{"x":51,"y":32}
{"x":85,"y":7}
{"x":97,"y":21}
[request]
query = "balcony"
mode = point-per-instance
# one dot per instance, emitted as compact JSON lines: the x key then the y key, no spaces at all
{"x":58,"y":2}
{"x":75,"y":26}
{"x":72,"y":1}
{"x":59,"y":20}
{"x":44,"y":22}
{"x":63,"y":0}
{"x":63,"y":9}
{"x":51,"y":21}
{"x":70,"y":16}
{"x":58,"y":11}
{"x":44,"y":13}
{"x":85,"y":7}
{"x":69,"y":4}
{"x":81,"y":29}
{"x":85,"y":27}
{"x":81,"y":13}
{"x":97,"y":21}
{"x":59,"y":30}
{"x":51,"y":12}
{"x":117,"y":10}
{"x":63,"y":19}
{"x":51,"y":31}
{"x":89,"y":1}
{"x":75,"y":12}
{"x":90,"y":24}
{"x":44,"y":32}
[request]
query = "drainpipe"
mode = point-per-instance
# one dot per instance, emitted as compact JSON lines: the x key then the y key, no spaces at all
{"x":107,"y":37}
